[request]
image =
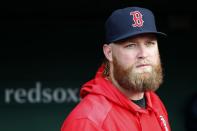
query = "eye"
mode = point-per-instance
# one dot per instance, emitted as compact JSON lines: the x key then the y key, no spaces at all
{"x":131,"y":45}
{"x":150,"y":43}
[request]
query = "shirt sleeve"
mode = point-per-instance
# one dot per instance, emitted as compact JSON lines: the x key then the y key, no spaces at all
{"x":82,"y":124}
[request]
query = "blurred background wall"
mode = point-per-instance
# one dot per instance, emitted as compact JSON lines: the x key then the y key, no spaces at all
{"x":49,"y":49}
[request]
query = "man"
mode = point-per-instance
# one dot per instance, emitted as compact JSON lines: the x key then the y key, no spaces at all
{"x":121,"y":96}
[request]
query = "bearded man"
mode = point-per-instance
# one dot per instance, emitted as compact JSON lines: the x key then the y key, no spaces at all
{"x":122,"y":95}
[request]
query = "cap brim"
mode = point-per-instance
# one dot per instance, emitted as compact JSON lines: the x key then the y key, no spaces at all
{"x":158,"y":34}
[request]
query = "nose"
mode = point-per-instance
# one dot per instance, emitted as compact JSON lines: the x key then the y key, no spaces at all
{"x":142,"y":52}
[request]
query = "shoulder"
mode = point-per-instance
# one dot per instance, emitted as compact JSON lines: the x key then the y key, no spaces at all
{"x":81,"y":124}
{"x":93,"y":108}
{"x":157,"y":103}
{"x":155,"y":99}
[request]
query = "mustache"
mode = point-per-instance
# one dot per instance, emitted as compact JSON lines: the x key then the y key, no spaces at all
{"x":143,"y":62}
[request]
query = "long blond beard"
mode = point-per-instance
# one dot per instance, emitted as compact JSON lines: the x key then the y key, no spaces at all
{"x":135,"y":81}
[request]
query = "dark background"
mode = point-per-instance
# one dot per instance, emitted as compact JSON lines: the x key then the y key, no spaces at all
{"x":60,"y":44}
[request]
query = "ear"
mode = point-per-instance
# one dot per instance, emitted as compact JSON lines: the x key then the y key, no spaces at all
{"x":107,"y":50}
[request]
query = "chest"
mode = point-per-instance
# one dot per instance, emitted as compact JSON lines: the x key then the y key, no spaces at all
{"x":123,"y":120}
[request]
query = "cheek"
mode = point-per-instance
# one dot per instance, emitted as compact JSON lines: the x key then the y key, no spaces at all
{"x":126,"y":60}
{"x":155,"y":58}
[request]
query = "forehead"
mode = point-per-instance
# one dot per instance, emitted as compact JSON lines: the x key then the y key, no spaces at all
{"x":144,"y":37}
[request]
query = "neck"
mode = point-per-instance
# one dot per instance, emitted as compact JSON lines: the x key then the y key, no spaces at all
{"x":132,"y":95}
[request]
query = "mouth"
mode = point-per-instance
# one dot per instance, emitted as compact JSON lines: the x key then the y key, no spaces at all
{"x":142,"y":65}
